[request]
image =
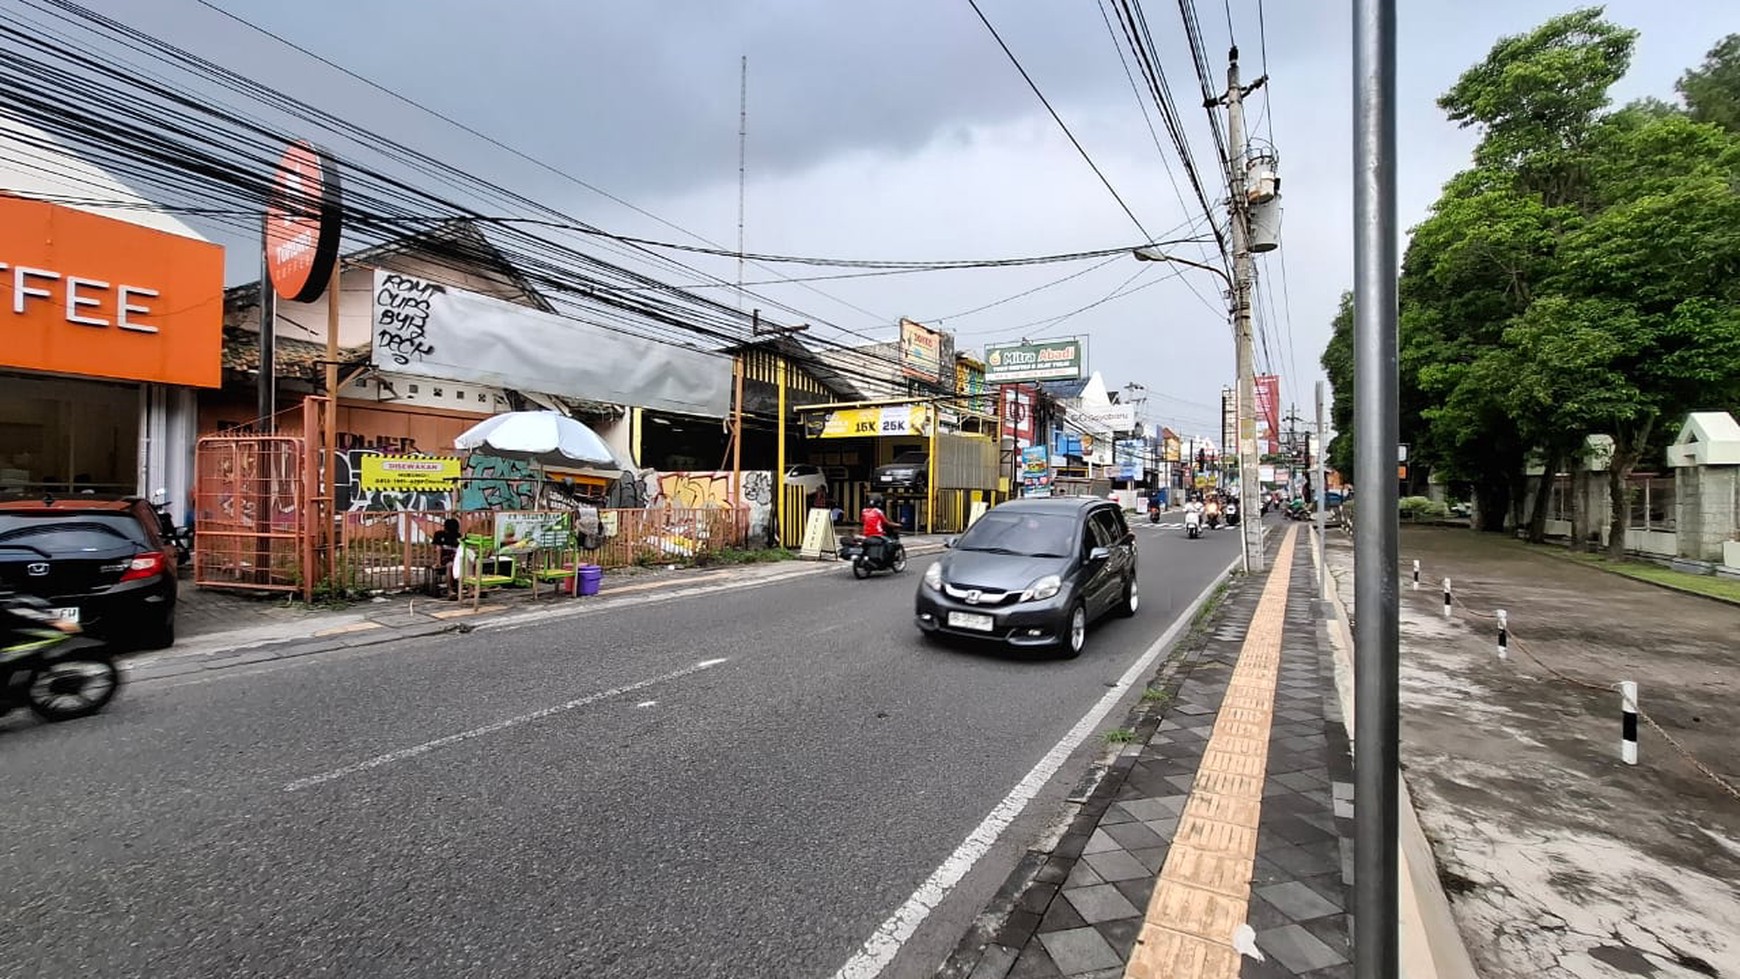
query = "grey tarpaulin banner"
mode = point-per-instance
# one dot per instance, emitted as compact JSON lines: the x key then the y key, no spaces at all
{"x":427,"y":329}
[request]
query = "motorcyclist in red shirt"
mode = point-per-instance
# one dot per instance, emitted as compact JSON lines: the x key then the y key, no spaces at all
{"x":876,"y":526}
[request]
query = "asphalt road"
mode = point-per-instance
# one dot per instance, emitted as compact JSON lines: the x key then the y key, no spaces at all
{"x":582,"y":797}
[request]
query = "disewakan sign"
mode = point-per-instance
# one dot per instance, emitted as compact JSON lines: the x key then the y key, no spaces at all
{"x":1049,"y":360}
{"x":425,"y":474}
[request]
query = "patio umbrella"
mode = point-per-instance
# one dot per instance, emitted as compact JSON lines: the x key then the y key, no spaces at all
{"x":548,"y":438}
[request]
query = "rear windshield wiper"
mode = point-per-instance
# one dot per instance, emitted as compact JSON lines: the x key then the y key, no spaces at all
{"x":24,"y":547}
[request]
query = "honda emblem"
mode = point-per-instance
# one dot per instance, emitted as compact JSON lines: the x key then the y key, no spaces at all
{"x":973,"y":597}
{"x":37,"y":570}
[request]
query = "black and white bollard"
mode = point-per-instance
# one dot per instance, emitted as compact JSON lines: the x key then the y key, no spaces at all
{"x":1628,"y":729}
{"x":1503,"y":634}
{"x":1446,"y":598}
{"x":1416,"y":574}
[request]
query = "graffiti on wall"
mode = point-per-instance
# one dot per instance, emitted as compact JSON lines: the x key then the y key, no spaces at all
{"x":710,"y":489}
{"x":493,"y":483}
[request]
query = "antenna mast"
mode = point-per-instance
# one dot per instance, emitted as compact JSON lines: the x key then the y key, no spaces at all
{"x":742,"y":144}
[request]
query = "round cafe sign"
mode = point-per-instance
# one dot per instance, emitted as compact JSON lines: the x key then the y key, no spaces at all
{"x":302,"y":223}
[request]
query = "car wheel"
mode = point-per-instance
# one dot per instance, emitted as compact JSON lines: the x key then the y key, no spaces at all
{"x":1075,"y":631}
{"x":159,"y":636}
{"x":1132,"y":599}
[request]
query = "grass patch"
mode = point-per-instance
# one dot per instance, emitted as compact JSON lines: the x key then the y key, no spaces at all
{"x":739,"y":555}
{"x":1698,"y":584}
{"x":1156,"y":695}
{"x":1199,"y":624}
{"x":1118,"y":735}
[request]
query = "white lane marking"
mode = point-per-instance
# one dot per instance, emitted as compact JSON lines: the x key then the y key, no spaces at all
{"x":882,"y":946}
{"x":499,"y":726}
{"x":647,"y":703}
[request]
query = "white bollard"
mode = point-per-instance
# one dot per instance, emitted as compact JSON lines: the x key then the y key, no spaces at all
{"x":1416,"y":575}
{"x":1628,"y":722}
{"x":1503,"y":635}
{"x":1446,"y":598}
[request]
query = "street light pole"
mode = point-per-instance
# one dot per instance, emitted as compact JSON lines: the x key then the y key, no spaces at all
{"x":1376,"y":630}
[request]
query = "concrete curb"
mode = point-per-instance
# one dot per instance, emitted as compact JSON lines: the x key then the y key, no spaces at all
{"x":1568,"y":559}
{"x":1432,"y":946}
{"x":167,"y":665}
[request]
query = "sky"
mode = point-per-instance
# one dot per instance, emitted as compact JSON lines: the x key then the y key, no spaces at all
{"x":900,"y":130}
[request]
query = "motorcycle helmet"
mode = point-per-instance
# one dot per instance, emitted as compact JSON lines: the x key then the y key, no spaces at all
{"x":876,"y":502}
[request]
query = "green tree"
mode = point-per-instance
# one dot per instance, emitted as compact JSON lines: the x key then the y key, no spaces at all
{"x":1337,"y":361}
{"x":1712,"y":90}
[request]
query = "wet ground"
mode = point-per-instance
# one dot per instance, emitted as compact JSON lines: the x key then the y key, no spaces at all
{"x":1560,"y":859}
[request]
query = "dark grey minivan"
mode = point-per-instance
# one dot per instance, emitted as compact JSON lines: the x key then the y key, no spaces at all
{"x":1033,"y":573}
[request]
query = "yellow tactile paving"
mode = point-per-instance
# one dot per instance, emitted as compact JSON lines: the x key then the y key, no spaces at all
{"x":1204,"y":889}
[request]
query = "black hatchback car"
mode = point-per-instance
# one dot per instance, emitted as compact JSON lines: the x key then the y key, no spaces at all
{"x":101,"y":563}
{"x":1033,"y":573}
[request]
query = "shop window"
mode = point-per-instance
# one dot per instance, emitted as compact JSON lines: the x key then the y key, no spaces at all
{"x":67,"y":436}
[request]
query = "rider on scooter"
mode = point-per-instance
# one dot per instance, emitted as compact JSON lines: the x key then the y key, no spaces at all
{"x":877,"y":528}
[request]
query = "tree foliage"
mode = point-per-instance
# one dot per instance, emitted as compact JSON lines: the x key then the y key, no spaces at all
{"x":1712,"y":90}
{"x":1582,"y":277}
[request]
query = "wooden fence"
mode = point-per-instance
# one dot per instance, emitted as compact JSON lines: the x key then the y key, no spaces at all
{"x":395,"y":550}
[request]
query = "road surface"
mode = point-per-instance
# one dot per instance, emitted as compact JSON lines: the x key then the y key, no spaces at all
{"x":745,"y":784}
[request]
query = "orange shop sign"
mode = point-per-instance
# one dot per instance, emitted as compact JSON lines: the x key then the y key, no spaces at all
{"x":89,"y":295}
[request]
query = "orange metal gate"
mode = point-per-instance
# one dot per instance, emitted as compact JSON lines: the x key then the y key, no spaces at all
{"x":250,"y":521}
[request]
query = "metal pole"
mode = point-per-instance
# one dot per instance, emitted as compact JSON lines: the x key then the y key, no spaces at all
{"x":737,"y":433}
{"x":1376,"y":430}
{"x":779,"y":476}
{"x":1322,"y":511}
{"x":329,"y":425}
{"x":268,"y":395}
{"x":1250,"y":530}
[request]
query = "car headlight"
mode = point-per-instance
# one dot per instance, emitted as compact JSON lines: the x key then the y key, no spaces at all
{"x":1042,"y":589}
{"x":933,"y":575}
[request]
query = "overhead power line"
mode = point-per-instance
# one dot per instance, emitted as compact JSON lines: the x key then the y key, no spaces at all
{"x":1059,"y":119}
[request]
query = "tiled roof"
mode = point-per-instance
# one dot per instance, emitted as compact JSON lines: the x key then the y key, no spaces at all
{"x":290,"y":358}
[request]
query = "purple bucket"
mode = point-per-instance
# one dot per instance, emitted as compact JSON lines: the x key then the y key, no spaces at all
{"x":591,"y":578}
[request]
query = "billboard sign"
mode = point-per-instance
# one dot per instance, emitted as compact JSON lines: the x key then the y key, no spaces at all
{"x":1049,"y":360}
{"x":1018,"y":402}
{"x":1036,"y":471}
{"x":1106,"y":418}
{"x":887,"y":421}
{"x":1269,"y":411}
{"x":921,"y":351}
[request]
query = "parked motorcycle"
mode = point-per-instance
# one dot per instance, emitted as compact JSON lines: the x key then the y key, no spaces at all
{"x":872,"y":554}
{"x":1193,"y":523}
{"x":181,"y":537}
{"x":48,"y":666}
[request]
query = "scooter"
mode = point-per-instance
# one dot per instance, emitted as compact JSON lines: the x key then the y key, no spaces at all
{"x":1213,"y":520}
{"x":1232,"y":514}
{"x":178,"y":536}
{"x":47,"y":666}
{"x":872,"y":554}
{"x":1193,"y":523}
{"x":1153,"y":514}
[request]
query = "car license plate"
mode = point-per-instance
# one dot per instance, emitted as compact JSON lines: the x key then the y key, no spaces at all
{"x":969,"y":620}
{"x":888,"y":479}
{"x":70,"y":614}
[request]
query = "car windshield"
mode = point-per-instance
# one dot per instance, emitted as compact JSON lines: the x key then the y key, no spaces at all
{"x":910,"y":459}
{"x":59,"y":529}
{"x":1025,"y":534}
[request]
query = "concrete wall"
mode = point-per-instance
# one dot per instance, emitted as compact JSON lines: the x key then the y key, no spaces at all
{"x":1707,"y":499}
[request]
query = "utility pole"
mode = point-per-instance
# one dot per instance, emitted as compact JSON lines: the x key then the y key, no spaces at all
{"x":1317,"y":464}
{"x":1244,"y":273}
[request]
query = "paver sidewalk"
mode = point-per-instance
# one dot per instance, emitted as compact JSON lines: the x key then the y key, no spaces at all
{"x":1234,"y":803}
{"x":1559,"y":859}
